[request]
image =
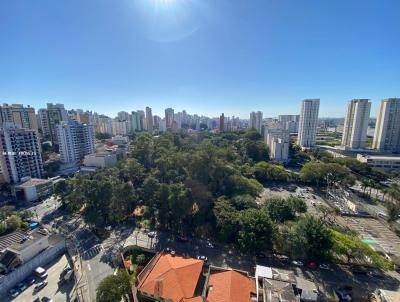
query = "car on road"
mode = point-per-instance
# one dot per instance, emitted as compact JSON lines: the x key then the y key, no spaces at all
{"x":40,"y":272}
{"x":40,"y":285}
{"x":47,"y":299}
{"x":376,"y":275}
{"x":204,"y":258}
{"x":209,"y":244}
{"x":297,"y":263}
{"x":22,"y":286}
{"x":344,"y":295}
{"x":152,"y":234}
{"x":359,"y":270}
{"x":324,"y":266}
{"x":13,"y":292}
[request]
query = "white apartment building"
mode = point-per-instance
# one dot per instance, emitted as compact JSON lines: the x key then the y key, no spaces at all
{"x":278,"y":141}
{"x":356,"y":124}
{"x":289,"y":122}
{"x":169,"y":118}
{"x":308,"y":123}
{"x":104,"y":125}
{"x":20,"y":155}
{"x":120,"y":127}
{"x":387,"y":128}
{"x":256,"y":121}
{"x":76,"y":140}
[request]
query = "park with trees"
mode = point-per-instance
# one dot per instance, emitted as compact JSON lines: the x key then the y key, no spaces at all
{"x":207,"y":185}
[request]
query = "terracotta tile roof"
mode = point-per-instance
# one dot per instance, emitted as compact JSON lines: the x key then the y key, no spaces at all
{"x":173,"y":277}
{"x":194,"y":299}
{"x":230,"y":286}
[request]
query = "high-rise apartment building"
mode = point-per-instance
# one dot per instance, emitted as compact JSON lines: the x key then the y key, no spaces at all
{"x":21,"y":116}
{"x":169,"y":118}
{"x":221,"y":123}
{"x":49,"y":118}
{"x":356,"y":124}
{"x":387,"y":128}
{"x":120,"y":127}
{"x":19,"y":154}
{"x":289,"y":122}
{"x":149,"y":120}
{"x":308,"y":123}
{"x":75,"y":140}
{"x":256,"y":121}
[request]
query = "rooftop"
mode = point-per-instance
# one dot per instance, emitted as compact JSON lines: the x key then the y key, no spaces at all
{"x":172,"y":277}
{"x":10,"y":239}
{"x":33,"y":182}
{"x":230,"y":285}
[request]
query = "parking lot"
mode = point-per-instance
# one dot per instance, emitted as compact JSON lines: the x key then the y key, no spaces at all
{"x":374,"y":231}
{"x":51,"y":290}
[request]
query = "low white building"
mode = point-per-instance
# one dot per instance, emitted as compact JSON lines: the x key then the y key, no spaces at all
{"x":32,"y":189}
{"x":383,"y":162}
{"x":100,"y":160}
{"x":120,"y":140}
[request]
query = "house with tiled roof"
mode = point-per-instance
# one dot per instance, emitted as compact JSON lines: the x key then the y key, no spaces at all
{"x":227,"y":285}
{"x":171,"y":278}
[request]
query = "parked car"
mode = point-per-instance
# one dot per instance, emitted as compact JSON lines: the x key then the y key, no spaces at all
{"x":209,"y":244}
{"x":312,"y":265}
{"x":297,"y":263}
{"x":22,"y":286}
{"x":40,"y":285}
{"x":376,"y":275}
{"x":344,"y":295}
{"x":204,"y":258}
{"x":13,"y":292}
{"x":324,"y":266}
{"x":47,"y":299}
{"x":40,"y":272}
{"x":358,"y":270}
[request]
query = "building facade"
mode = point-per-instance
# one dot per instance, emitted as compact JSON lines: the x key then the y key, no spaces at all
{"x":278,"y":141}
{"x":76,"y":140}
{"x":149,"y":120}
{"x":387,"y":128}
{"x":356,"y":124}
{"x":308,"y":123}
{"x":49,"y":118}
{"x":23,"y":117}
{"x":169,"y":118}
{"x":20,"y":155}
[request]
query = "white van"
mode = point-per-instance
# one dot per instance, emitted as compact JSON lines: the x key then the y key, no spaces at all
{"x":40,"y":272}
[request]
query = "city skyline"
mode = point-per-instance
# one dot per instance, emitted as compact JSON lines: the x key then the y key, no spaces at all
{"x":213,"y":60}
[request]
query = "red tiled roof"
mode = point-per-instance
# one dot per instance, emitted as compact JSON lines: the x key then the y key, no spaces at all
{"x":230,"y":286}
{"x":173,"y":277}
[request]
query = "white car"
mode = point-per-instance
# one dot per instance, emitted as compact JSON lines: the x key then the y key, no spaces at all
{"x":204,"y":258}
{"x":152,"y":234}
{"x":324,"y":266}
{"x":297,"y":263}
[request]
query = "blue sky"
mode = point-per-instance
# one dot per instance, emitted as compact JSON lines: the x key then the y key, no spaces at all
{"x":205,"y":56}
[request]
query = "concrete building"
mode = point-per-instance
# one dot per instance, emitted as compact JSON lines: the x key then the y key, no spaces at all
{"x":100,"y":160}
{"x":19,"y":154}
{"x":23,"y":117}
{"x":76,"y":140}
{"x":169,"y":118}
{"x":149,"y":120}
{"x":380,"y":161}
{"x":49,"y":118}
{"x":255,"y":121}
{"x":221,"y":123}
{"x":34,"y":189}
{"x":308,"y":123}
{"x":278,"y":141}
{"x":289,"y":122}
{"x":356,"y":124}
{"x":104,"y":125}
{"x":387,"y":128}
{"x":120,"y":140}
{"x":119,"y":127}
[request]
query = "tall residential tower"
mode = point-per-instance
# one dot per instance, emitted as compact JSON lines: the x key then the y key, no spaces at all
{"x":308,"y":123}
{"x":387,"y":129}
{"x":356,"y":124}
